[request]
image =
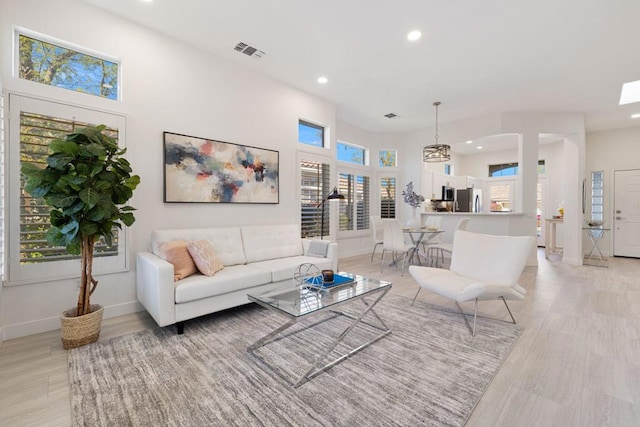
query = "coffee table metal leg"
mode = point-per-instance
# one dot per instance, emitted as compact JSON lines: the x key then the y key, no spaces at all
{"x":263,"y":341}
{"x":316,"y":369}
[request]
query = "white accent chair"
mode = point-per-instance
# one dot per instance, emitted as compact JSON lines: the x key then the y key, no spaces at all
{"x":483,"y":267}
{"x":377,"y":232}
{"x":393,"y":240}
{"x":437,"y":249}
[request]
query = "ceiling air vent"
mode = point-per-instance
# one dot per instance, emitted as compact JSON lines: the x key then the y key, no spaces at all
{"x":390,"y":115}
{"x":248,"y":50}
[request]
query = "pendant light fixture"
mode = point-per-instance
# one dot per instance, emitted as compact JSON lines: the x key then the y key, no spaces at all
{"x":436,"y":153}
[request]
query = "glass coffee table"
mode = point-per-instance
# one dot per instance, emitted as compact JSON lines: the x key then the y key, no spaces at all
{"x":297,"y":303}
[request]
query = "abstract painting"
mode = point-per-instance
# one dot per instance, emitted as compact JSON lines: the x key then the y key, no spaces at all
{"x":199,"y":170}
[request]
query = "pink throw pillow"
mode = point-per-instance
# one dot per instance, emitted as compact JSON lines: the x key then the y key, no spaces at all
{"x":177,"y":254}
{"x":204,"y":256}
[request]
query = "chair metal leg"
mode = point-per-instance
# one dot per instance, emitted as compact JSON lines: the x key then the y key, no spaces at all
{"x":374,"y":251}
{"x":382,"y":263}
{"x":475,"y":315}
{"x":505,"y":304}
{"x":414,"y":298}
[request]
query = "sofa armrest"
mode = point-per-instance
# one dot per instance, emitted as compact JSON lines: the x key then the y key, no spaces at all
{"x":332,"y":251}
{"x":155,"y":287}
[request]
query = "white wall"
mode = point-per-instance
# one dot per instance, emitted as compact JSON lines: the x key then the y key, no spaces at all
{"x":609,"y":151}
{"x":167,"y":86}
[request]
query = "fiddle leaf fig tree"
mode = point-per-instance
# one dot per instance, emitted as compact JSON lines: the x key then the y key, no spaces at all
{"x":87,"y":183}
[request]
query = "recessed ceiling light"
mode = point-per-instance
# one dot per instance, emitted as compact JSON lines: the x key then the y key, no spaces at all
{"x":322,"y":80}
{"x":469,"y":142}
{"x":147,"y":1}
{"x":635,"y":116}
{"x":630,"y":93}
{"x":479,"y":147}
{"x":414,"y":35}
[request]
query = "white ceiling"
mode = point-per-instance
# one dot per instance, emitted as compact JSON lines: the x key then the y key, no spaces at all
{"x":476,"y":57}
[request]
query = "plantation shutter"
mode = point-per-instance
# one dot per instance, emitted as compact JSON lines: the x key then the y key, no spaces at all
{"x":346,"y":186}
{"x":354,"y":210}
{"x":362,"y":202}
{"x":36,"y":133}
{"x":388,"y":197}
{"x":314,"y":186}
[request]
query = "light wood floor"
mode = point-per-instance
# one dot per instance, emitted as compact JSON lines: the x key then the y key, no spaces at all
{"x":577,"y":362}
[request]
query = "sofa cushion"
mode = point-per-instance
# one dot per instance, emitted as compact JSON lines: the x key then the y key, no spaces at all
{"x":271,"y":242}
{"x":230,"y":279}
{"x":175,"y":252}
{"x":226,"y":241}
{"x":204,"y":257}
{"x":283,"y":268}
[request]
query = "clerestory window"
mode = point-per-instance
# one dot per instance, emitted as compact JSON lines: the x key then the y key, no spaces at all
{"x":56,"y":63}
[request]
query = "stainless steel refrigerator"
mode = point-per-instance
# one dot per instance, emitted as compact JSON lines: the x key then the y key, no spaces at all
{"x":468,"y":200}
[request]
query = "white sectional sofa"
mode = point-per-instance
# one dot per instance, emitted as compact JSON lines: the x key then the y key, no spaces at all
{"x":255,"y":258}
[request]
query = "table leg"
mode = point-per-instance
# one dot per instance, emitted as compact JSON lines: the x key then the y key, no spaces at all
{"x":547,"y":239}
{"x":316,"y":368}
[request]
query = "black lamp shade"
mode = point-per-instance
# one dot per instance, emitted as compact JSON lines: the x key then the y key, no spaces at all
{"x":334,"y":195}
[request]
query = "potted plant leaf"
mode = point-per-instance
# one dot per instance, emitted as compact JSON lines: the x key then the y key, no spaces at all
{"x":87,"y":184}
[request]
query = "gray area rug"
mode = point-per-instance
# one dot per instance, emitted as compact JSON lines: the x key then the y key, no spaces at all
{"x":429,"y":371}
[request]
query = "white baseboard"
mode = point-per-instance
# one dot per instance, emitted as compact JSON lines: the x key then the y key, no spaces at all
{"x":122,"y":309}
{"x":47,"y":324}
{"x":356,"y":253}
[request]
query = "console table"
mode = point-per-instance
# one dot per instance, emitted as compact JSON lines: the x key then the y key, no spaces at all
{"x":550,"y":247}
{"x":595,"y":236}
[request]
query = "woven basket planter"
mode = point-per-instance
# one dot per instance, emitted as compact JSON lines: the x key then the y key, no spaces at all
{"x":81,"y":330}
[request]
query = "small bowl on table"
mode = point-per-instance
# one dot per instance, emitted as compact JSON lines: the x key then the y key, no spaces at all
{"x":595,"y":223}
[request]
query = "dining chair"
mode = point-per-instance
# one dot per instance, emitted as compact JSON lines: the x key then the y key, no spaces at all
{"x":438,"y":249}
{"x":483,"y":267}
{"x":393,"y":241}
{"x":432,"y":222}
{"x":377,"y":231}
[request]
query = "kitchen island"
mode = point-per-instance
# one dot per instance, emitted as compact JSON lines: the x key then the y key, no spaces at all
{"x":498,"y":223}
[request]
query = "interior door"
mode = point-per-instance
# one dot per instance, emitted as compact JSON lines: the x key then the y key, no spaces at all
{"x":626,"y":223}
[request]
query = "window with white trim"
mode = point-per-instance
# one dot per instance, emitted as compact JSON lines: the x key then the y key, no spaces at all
{"x":33,"y":124}
{"x":351,"y":153}
{"x":387,"y":158}
{"x":57,"y":63}
{"x":310,"y":134}
{"x":355,"y":208}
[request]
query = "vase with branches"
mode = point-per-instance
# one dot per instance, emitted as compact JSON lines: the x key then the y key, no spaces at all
{"x":414,"y":200}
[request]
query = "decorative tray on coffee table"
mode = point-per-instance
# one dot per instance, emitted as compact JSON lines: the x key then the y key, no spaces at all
{"x":317,"y":283}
